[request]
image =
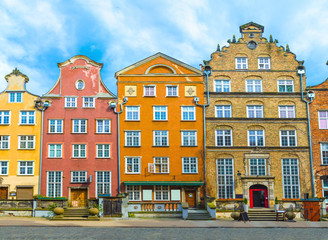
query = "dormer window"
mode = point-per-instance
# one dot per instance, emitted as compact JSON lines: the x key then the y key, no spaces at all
{"x":15,"y":97}
{"x":251,"y":35}
{"x":79,"y":85}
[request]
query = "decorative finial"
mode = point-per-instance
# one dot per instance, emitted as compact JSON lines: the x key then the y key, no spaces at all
{"x":327,"y":63}
{"x":16,"y":72}
{"x":287,"y":48}
{"x":229,"y":41}
{"x":234,"y":39}
{"x":271,"y":39}
{"x":301,"y":63}
{"x":276,"y":41}
{"x":205,"y":62}
{"x":218,"y":48}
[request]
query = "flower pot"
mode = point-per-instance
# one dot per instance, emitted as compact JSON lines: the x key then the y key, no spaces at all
{"x":276,"y":207}
{"x":58,"y":211}
{"x":93,"y":211}
{"x":290,"y":215}
{"x":235,"y":215}
{"x":246,"y":207}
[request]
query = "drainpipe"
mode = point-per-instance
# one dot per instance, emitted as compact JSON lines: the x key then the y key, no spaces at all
{"x":301,"y":72}
{"x":113,"y":106}
{"x":207,"y":71}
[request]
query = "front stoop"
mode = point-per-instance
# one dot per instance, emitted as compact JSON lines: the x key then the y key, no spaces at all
{"x":76,"y":214}
{"x":198,"y":215}
{"x":264,"y":214}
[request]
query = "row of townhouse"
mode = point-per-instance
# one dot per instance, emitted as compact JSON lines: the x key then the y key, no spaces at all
{"x":238,"y":128}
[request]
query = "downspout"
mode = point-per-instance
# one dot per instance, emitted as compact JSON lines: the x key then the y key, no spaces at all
{"x":207,"y":71}
{"x":41,"y":144}
{"x":301,"y":71}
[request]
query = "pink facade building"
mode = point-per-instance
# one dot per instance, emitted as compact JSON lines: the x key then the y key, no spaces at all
{"x":79,"y":150}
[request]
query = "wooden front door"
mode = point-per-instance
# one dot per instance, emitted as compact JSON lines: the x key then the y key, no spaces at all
{"x":79,"y":197}
{"x":191,"y":198}
{"x":3,"y":193}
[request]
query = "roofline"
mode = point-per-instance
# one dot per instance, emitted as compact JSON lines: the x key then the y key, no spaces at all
{"x":317,"y":84}
{"x":76,"y":57}
{"x":251,"y":23}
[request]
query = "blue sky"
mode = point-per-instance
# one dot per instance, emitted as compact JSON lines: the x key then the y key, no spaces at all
{"x":36,"y":35}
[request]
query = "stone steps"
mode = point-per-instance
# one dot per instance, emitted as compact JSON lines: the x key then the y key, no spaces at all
{"x":264,"y":215}
{"x":76,"y":214}
{"x":198,"y":215}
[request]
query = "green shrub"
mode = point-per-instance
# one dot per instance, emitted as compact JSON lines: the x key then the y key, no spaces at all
{"x":51,"y":207}
{"x":276,"y":201}
{"x":245,"y":201}
{"x":211,"y":205}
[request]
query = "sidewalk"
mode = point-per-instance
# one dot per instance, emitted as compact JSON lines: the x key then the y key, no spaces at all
{"x":155,"y":223}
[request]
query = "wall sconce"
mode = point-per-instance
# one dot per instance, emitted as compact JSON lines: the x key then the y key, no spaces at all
{"x":238,"y":173}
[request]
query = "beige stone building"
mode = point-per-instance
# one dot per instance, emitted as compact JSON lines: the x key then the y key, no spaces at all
{"x":256,"y":123}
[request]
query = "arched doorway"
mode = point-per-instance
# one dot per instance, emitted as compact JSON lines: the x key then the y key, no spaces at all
{"x":258,"y":196}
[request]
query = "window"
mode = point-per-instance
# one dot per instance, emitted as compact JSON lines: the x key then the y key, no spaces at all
{"x":134,"y":193}
{"x":160,"y":112}
{"x":189,"y":165}
{"x":26,"y":117}
{"x":161,"y":138}
{"x":255,"y":138}
{"x":286,"y":111}
{"x":264,"y":63}
{"x":132,"y":138}
{"x":15,"y":97}
{"x":290,"y":177}
{"x":103,"y":150}
{"x":78,"y":176}
{"x":323,"y":119}
{"x":132,"y":165}
{"x":222,"y":85}
{"x":25,"y":168}
{"x":171,"y":91}
{"x":26,"y":142}
{"x":288,"y":138}
{"x":79,"y":150}
{"x":54,"y":184}
{"x":257,"y":167}
{"x":79,"y":126}
{"x":88,"y":102}
{"x":4,"y":142}
{"x":223,"y":138}
{"x":103,"y":182}
{"x":149,"y":91}
{"x":55,"y":126}
{"x":103,"y":126}
{"x":189,"y":138}
{"x":161,"y":165}
{"x":255,"y":111}
{"x":325,"y":189}
{"x":324,"y":153}
{"x":253,"y":85}
{"x":55,"y":150}
{"x":241,"y":63}
{"x":285,"y":86}
{"x":223,"y":111}
{"x":79,"y":84}
{"x":225,"y":178}
{"x":3,"y":168}
{"x":132,"y":113}
{"x":161,"y":193}
{"x":4,"y":117}
{"x":70,"y":102}
{"x":188,"y":113}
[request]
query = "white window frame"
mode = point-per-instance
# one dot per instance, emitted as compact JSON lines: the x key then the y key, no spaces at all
{"x":290,"y":178}
{"x":189,"y":165}
{"x":79,"y":149}
{"x":27,"y":141}
{"x":225,"y":109}
{"x":159,"y":136}
{"x":279,"y":82}
{"x":253,"y":83}
{"x":286,"y":109}
{"x":288,"y":136}
{"x":15,"y":97}
{"x":241,"y":65}
{"x":4,"y":140}
{"x":87,"y":103}
{"x":325,"y":118}
{"x":187,"y":134}
{"x":80,"y":177}
{"x":133,"y":136}
{"x":70,"y":103}
{"x":104,"y":126}
{"x":162,"y":164}
{"x":222,"y":83}
{"x":190,"y":111}
{"x":264,"y":65}
{"x":78,"y":123}
{"x":227,"y":177}
{"x":56,"y":147}
{"x":135,"y":163}
{"x":104,"y":183}
{"x":257,"y":167}
{"x":169,"y":94}
{"x":324,"y":189}
{"x":29,"y":115}
{"x":101,"y":147}
{"x":4,"y":167}
{"x":132,"y":110}
{"x":256,"y":138}
{"x":321,"y":153}
{"x":160,"y":111}
{"x":160,"y":189}
{"x":224,"y":135}
{"x":255,"y":109}
{"x":145,"y":90}
{"x":134,"y":192}
{"x":55,"y":184}
{"x":4,"y":116}
{"x":56,"y":125}
{"x":20,"y":166}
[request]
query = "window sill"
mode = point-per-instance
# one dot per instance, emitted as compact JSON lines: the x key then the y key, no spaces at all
{"x":70,"y":107}
{"x":189,"y":146}
{"x":190,"y":173}
{"x":26,"y":149}
{"x":149,"y":96}
{"x":79,"y":132}
{"x":27,"y":124}
{"x":55,"y":157}
{"x":132,"y":146}
{"x":103,"y":133}
{"x":137,"y":120}
{"x":188,"y":120}
{"x":88,"y":107}
{"x":78,"y":182}
{"x":103,"y":158}
{"x":26,"y":175}
{"x":78,"y":158}
{"x":55,"y":133}
{"x":171,"y":96}
{"x":324,"y":165}
{"x":161,"y":146}
{"x":5,"y":124}
{"x":4,"y":149}
{"x":160,"y":120}
{"x":132,"y":173}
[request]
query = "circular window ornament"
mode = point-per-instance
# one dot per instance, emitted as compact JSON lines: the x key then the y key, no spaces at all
{"x":252,"y":45}
{"x":79,"y":84}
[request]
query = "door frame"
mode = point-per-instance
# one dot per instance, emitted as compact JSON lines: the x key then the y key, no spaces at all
{"x":195,"y":196}
{"x":266,"y":201}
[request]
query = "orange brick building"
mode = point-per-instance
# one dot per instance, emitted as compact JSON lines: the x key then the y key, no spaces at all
{"x":161,"y":131}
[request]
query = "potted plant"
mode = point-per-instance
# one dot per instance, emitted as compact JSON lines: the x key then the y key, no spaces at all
{"x":276,"y":204}
{"x":235,"y":215}
{"x":290,"y":215}
{"x":245,"y":205}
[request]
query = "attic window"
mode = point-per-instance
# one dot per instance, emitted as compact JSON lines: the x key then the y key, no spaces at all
{"x":251,"y":35}
{"x":79,"y":84}
{"x":252,"y":45}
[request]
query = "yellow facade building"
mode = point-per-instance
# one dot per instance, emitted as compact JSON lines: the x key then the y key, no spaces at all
{"x":20,"y":132}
